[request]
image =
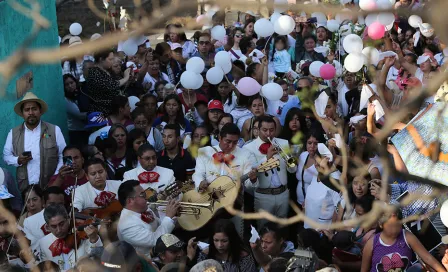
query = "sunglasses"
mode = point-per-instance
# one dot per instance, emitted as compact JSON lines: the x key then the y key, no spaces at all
{"x":239,"y":35}
{"x":204,"y":42}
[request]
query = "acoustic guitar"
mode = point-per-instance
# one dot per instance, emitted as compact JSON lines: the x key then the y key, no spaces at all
{"x":220,"y":193}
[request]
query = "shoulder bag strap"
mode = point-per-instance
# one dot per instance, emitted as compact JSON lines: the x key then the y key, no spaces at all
{"x":234,"y":54}
{"x":303,"y":172}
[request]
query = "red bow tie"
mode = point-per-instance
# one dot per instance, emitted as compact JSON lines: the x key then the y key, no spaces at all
{"x":149,"y":176}
{"x":44,"y":229}
{"x":58,"y":247}
{"x":264,"y":148}
{"x":220,"y":157}
{"x":147,"y":217}
{"x":104,"y":198}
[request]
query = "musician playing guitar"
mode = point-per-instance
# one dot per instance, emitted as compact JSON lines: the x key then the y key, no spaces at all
{"x":271,"y":193}
{"x":225,"y":159}
{"x":98,"y":192}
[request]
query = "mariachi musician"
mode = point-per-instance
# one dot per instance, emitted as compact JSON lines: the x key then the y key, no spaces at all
{"x":98,"y":192}
{"x":225,"y":159}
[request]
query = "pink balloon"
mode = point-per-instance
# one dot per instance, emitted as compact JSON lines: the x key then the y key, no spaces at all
{"x":376,"y":30}
{"x":248,"y":86}
{"x":327,"y":71}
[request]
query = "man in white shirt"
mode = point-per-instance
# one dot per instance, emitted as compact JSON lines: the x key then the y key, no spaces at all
{"x":34,"y":147}
{"x":271,"y":193}
{"x":138,"y":225}
{"x":34,"y":226}
{"x":148,"y":173}
{"x":54,"y":246}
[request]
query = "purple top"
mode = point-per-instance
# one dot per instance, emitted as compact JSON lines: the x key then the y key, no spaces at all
{"x":396,"y":257}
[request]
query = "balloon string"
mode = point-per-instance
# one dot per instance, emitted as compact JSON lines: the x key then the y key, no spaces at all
{"x":267,"y":42}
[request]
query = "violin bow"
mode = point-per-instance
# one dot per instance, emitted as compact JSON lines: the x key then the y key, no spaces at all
{"x":74,"y":219}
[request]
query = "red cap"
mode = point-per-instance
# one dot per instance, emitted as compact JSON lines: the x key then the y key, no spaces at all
{"x":215,"y":105}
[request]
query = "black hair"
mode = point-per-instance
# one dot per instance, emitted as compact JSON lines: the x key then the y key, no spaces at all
{"x":158,"y":83}
{"x":70,"y":147}
{"x":47,"y":266}
{"x":396,"y":211}
{"x":52,"y":190}
{"x":310,"y":37}
{"x":102,"y":55}
{"x":88,"y":151}
{"x":236,"y":245}
{"x":94,"y":161}
{"x":108,"y":143}
{"x":200,"y":102}
{"x":174,"y":127}
{"x":286,"y":133}
{"x":366,"y":202}
{"x":23,"y":105}
{"x":180,"y":116}
{"x":209,"y":142}
{"x":231,"y":39}
{"x":131,"y":155}
{"x":137,"y":112}
{"x":144,"y":148}
{"x":55,"y":210}
{"x":225,"y":115}
{"x":126,"y":190}
{"x":64,"y":78}
{"x":229,"y":129}
{"x":32,"y":188}
{"x":280,"y":38}
{"x":266,"y":119}
{"x":240,"y":64}
{"x":277,"y":231}
{"x":363,"y":150}
{"x":247,"y":23}
{"x":278,"y":264}
{"x":117,"y":103}
{"x":229,"y":96}
{"x":414,"y":59}
{"x":433,"y":48}
{"x":310,"y":238}
{"x":251,"y":69}
{"x":315,"y":134}
{"x":254,"y":97}
{"x":115,"y":127}
{"x":161,"y":48}
{"x":280,"y":81}
{"x":245,"y":44}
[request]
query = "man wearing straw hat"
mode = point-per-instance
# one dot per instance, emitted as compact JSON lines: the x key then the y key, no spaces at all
{"x":34,"y":147}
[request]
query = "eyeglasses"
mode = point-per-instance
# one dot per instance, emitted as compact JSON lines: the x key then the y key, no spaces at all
{"x":239,"y":35}
{"x":204,"y":42}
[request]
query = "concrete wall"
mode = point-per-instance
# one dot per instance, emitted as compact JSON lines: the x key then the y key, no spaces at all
{"x":47,"y":79}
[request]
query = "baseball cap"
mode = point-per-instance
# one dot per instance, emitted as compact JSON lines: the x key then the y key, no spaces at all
{"x":168,"y":242}
{"x":96,"y":119}
{"x":119,"y":256}
{"x":175,"y":46}
{"x":215,"y":105}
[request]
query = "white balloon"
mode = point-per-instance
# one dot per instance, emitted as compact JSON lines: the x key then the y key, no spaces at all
{"x":196,"y":65}
{"x":222,"y":57}
{"x":415,"y":20}
{"x":367,"y":4}
{"x":384,"y":4}
{"x":354,"y":62}
{"x":130,"y":48}
{"x":274,"y":17}
{"x":226,"y":67}
{"x":352,"y":44}
{"x":371,"y":18}
{"x":333,"y":25}
{"x":218,"y":32}
{"x":444,"y":213}
{"x":280,"y":5}
{"x":263,"y":27}
{"x":389,"y":27}
{"x":320,"y":17}
{"x":386,"y":18}
{"x":198,"y":82}
{"x":427,"y":30}
{"x":372,"y":55}
{"x":284,"y":25}
{"x":214,"y":75}
{"x":315,"y":68}
{"x":75,"y":29}
{"x":188,"y":80}
{"x":272,"y":91}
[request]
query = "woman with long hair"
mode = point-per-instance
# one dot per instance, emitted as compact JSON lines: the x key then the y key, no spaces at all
{"x":174,"y":34}
{"x":226,"y":96}
{"x":234,"y":42}
{"x":118,"y":159}
{"x":228,"y":249}
{"x":135,"y":139}
{"x":102,"y":88}
{"x":76,"y":119}
{"x":153,"y":135}
{"x":214,"y":112}
{"x":120,"y":111}
{"x":34,"y":202}
{"x":172,"y":114}
{"x":295,"y":123}
{"x":257,"y":107}
{"x":149,"y":103}
{"x":249,"y":30}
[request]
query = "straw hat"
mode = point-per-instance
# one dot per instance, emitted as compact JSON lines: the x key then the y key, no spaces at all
{"x":30,"y":97}
{"x":75,"y":40}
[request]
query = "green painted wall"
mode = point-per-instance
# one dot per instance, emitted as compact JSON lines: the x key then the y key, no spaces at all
{"x":14,"y":28}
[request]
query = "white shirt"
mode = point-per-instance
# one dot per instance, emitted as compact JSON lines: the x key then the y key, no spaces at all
{"x":238,"y":53}
{"x":188,"y":49}
{"x":65,"y":261}
{"x":228,"y":108}
{"x":32,"y":143}
{"x":308,"y":175}
{"x":143,"y":236}
{"x":149,"y":79}
{"x":32,"y":228}
{"x":342,"y":102}
{"x":165,"y":179}
{"x":97,"y":133}
{"x":207,"y":169}
{"x":275,"y":108}
{"x":321,"y":201}
{"x":240,"y":115}
{"x":274,"y":178}
{"x":85,"y":194}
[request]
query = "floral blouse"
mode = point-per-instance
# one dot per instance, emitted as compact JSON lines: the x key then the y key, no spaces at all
{"x":246,"y":264}
{"x":102,"y":89}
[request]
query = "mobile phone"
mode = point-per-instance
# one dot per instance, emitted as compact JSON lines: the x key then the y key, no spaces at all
{"x":312,"y":20}
{"x":26,"y":153}
{"x":68,"y":161}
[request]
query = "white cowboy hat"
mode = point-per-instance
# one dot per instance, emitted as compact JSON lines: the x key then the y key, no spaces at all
{"x":30,"y":97}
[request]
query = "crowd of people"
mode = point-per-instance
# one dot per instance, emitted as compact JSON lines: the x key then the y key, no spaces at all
{"x":134,"y":130}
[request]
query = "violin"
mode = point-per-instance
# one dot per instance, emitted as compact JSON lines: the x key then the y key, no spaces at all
{"x":114,"y":208}
{"x":80,"y":233}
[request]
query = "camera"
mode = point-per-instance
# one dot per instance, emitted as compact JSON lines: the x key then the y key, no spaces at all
{"x":304,"y":260}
